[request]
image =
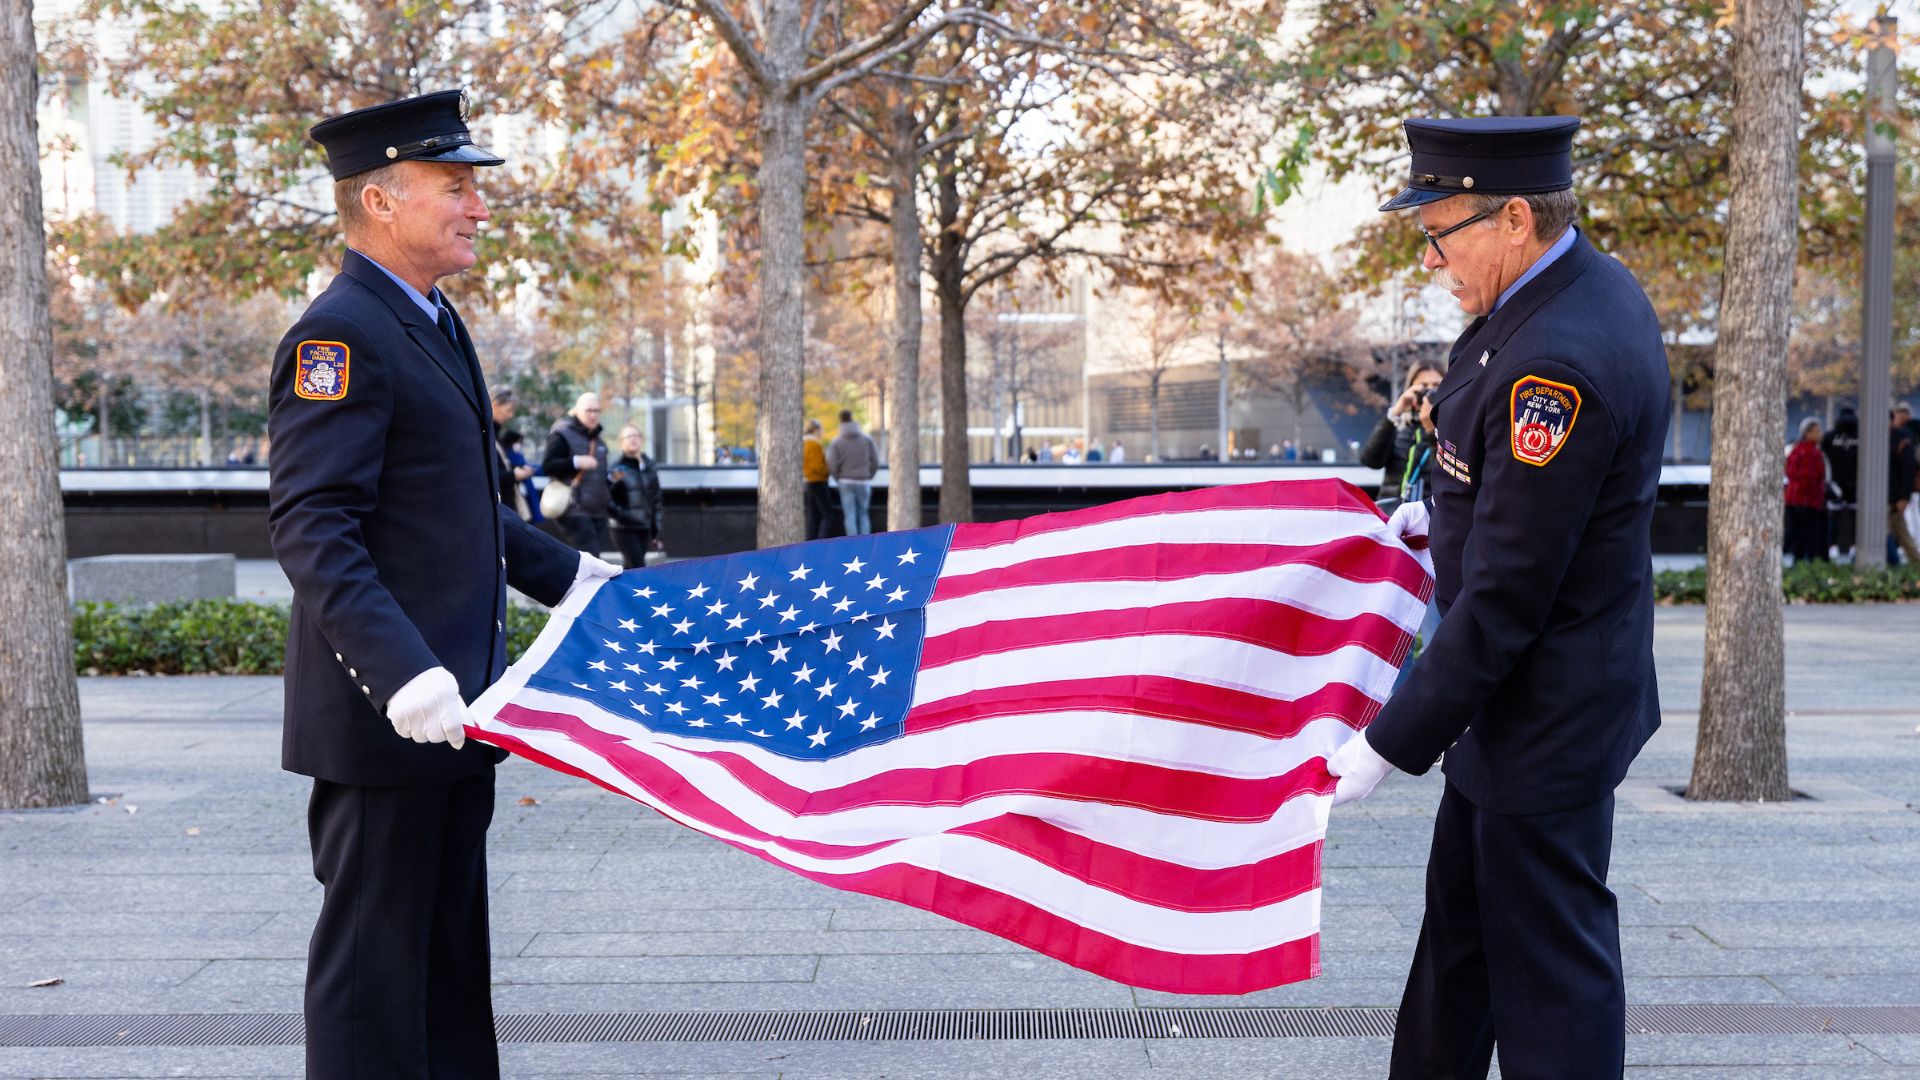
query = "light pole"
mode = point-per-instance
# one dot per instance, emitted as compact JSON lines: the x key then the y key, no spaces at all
{"x":1876,"y":328}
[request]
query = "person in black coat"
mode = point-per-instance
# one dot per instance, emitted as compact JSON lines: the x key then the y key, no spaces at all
{"x":1842,"y":447}
{"x":1538,"y":686}
{"x":1399,"y":445}
{"x":638,"y":511}
{"x":384,"y":510}
{"x":576,"y":455}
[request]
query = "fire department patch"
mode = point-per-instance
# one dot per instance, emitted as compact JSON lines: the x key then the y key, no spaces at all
{"x":1543,"y":416}
{"x":321,"y":373}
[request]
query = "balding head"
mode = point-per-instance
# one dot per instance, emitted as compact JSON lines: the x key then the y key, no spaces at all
{"x":586,"y":409}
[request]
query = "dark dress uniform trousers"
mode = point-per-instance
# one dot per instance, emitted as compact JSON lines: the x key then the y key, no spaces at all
{"x":405,"y":873}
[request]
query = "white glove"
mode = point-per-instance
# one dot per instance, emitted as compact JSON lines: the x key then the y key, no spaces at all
{"x":428,"y":709}
{"x":1358,"y":768}
{"x":1410,"y":522}
{"x":592,"y":566}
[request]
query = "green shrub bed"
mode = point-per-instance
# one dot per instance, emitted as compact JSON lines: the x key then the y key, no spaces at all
{"x":1806,"y":583}
{"x":212,"y":637}
{"x":245,"y":637}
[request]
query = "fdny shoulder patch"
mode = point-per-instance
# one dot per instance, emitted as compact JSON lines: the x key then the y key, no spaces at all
{"x":1543,"y":416}
{"x":321,"y":370}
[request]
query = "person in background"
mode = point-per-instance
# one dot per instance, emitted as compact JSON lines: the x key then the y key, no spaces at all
{"x":510,"y":442}
{"x":638,"y":512}
{"x":577,"y":455}
{"x":813,"y":466}
{"x":1401,"y":445}
{"x":852,"y":461}
{"x":1901,"y":467}
{"x":1118,"y":455}
{"x":1806,"y":495}
{"x":512,"y":476}
{"x":1842,"y":449}
{"x":1094,"y":456}
{"x":1903,"y":416}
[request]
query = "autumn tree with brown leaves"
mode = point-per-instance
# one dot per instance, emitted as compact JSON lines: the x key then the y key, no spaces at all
{"x":42,"y":759}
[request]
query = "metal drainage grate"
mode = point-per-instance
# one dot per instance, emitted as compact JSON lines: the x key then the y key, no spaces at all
{"x":285,"y":1029}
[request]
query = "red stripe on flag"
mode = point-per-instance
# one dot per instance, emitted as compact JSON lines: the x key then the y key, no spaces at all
{"x":1118,"y":870}
{"x":1043,"y":931}
{"x":1327,"y":495}
{"x":1155,"y":881}
{"x":1355,"y":558}
{"x":1154,"y":695}
{"x":647,"y":773}
{"x":1266,"y":623}
{"x":1076,"y":777}
{"x":1034,"y":927}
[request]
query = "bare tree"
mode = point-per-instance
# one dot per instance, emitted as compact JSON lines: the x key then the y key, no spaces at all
{"x":1741,"y":751}
{"x":1296,"y":331}
{"x":774,"y":41}
{"x":42,"y":760}
{"x":1164,"y":325}
{"x":1027,"y":362}
{"x":210,"y":347}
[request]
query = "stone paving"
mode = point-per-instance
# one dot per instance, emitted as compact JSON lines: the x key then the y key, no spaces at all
{"x":189,"y":892}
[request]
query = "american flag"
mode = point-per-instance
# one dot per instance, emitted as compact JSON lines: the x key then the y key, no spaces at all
{"x":1101,"y":734}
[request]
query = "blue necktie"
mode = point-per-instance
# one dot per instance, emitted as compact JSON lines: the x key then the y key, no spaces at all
{"x":446,"y":326}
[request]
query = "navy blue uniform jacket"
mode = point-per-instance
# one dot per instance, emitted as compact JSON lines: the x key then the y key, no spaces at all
{"x":1538,"y":685}
{"x":385,"y":512}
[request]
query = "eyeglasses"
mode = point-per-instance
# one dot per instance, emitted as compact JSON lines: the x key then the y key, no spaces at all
{"x":1433,"y":239}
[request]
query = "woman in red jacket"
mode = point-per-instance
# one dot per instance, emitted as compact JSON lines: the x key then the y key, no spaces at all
{"x":1807,"y":495}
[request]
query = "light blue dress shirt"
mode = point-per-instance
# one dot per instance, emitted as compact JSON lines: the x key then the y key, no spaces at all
{"x":1558,"y":249}
{"x":431,"y":305}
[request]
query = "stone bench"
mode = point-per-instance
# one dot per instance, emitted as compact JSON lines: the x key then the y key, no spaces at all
{"x":150,"y":579}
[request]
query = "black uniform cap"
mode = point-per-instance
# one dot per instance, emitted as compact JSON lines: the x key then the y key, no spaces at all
{"x":1492,"y":155}
{"x":431,"y":127}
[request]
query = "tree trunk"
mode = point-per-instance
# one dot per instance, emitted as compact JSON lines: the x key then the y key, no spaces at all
{"x":206,"y":429}
{"x":782,"y":194}
{"x":106,"y":422}
{"x":1220,"y":341}
{"x":42,"y":759}
{"x":1741,"y":753}
{"x":1153,"y":418}
{"x":949,"y":282}
{"x":903,"y":380}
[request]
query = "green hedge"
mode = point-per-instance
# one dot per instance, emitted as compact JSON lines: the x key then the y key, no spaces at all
{"x":243,"y":637}
{"x":1806,"y":583}
{"x":212,"y":637}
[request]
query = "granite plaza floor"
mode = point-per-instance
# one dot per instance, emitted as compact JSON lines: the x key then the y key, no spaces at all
{"x":190,"y":894}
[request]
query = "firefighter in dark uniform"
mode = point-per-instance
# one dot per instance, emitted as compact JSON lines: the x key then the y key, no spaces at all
{"x":1538,"y":686}
{"x":385,"y":514}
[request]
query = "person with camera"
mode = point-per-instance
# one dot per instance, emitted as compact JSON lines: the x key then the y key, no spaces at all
{"x":1401,"y":445}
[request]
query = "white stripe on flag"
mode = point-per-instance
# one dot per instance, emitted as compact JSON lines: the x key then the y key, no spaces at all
{"x":1186,"y":841}
{"x":1307,"y":588}
{"x":1255,"y":525}
{"x":1234,"y":665}
{"x":998,"y":868}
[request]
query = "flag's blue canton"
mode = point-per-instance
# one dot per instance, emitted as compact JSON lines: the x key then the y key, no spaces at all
{"x":808,"y":651}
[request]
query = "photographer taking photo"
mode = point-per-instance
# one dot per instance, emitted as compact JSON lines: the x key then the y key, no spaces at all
{"x":1401,"y":444}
